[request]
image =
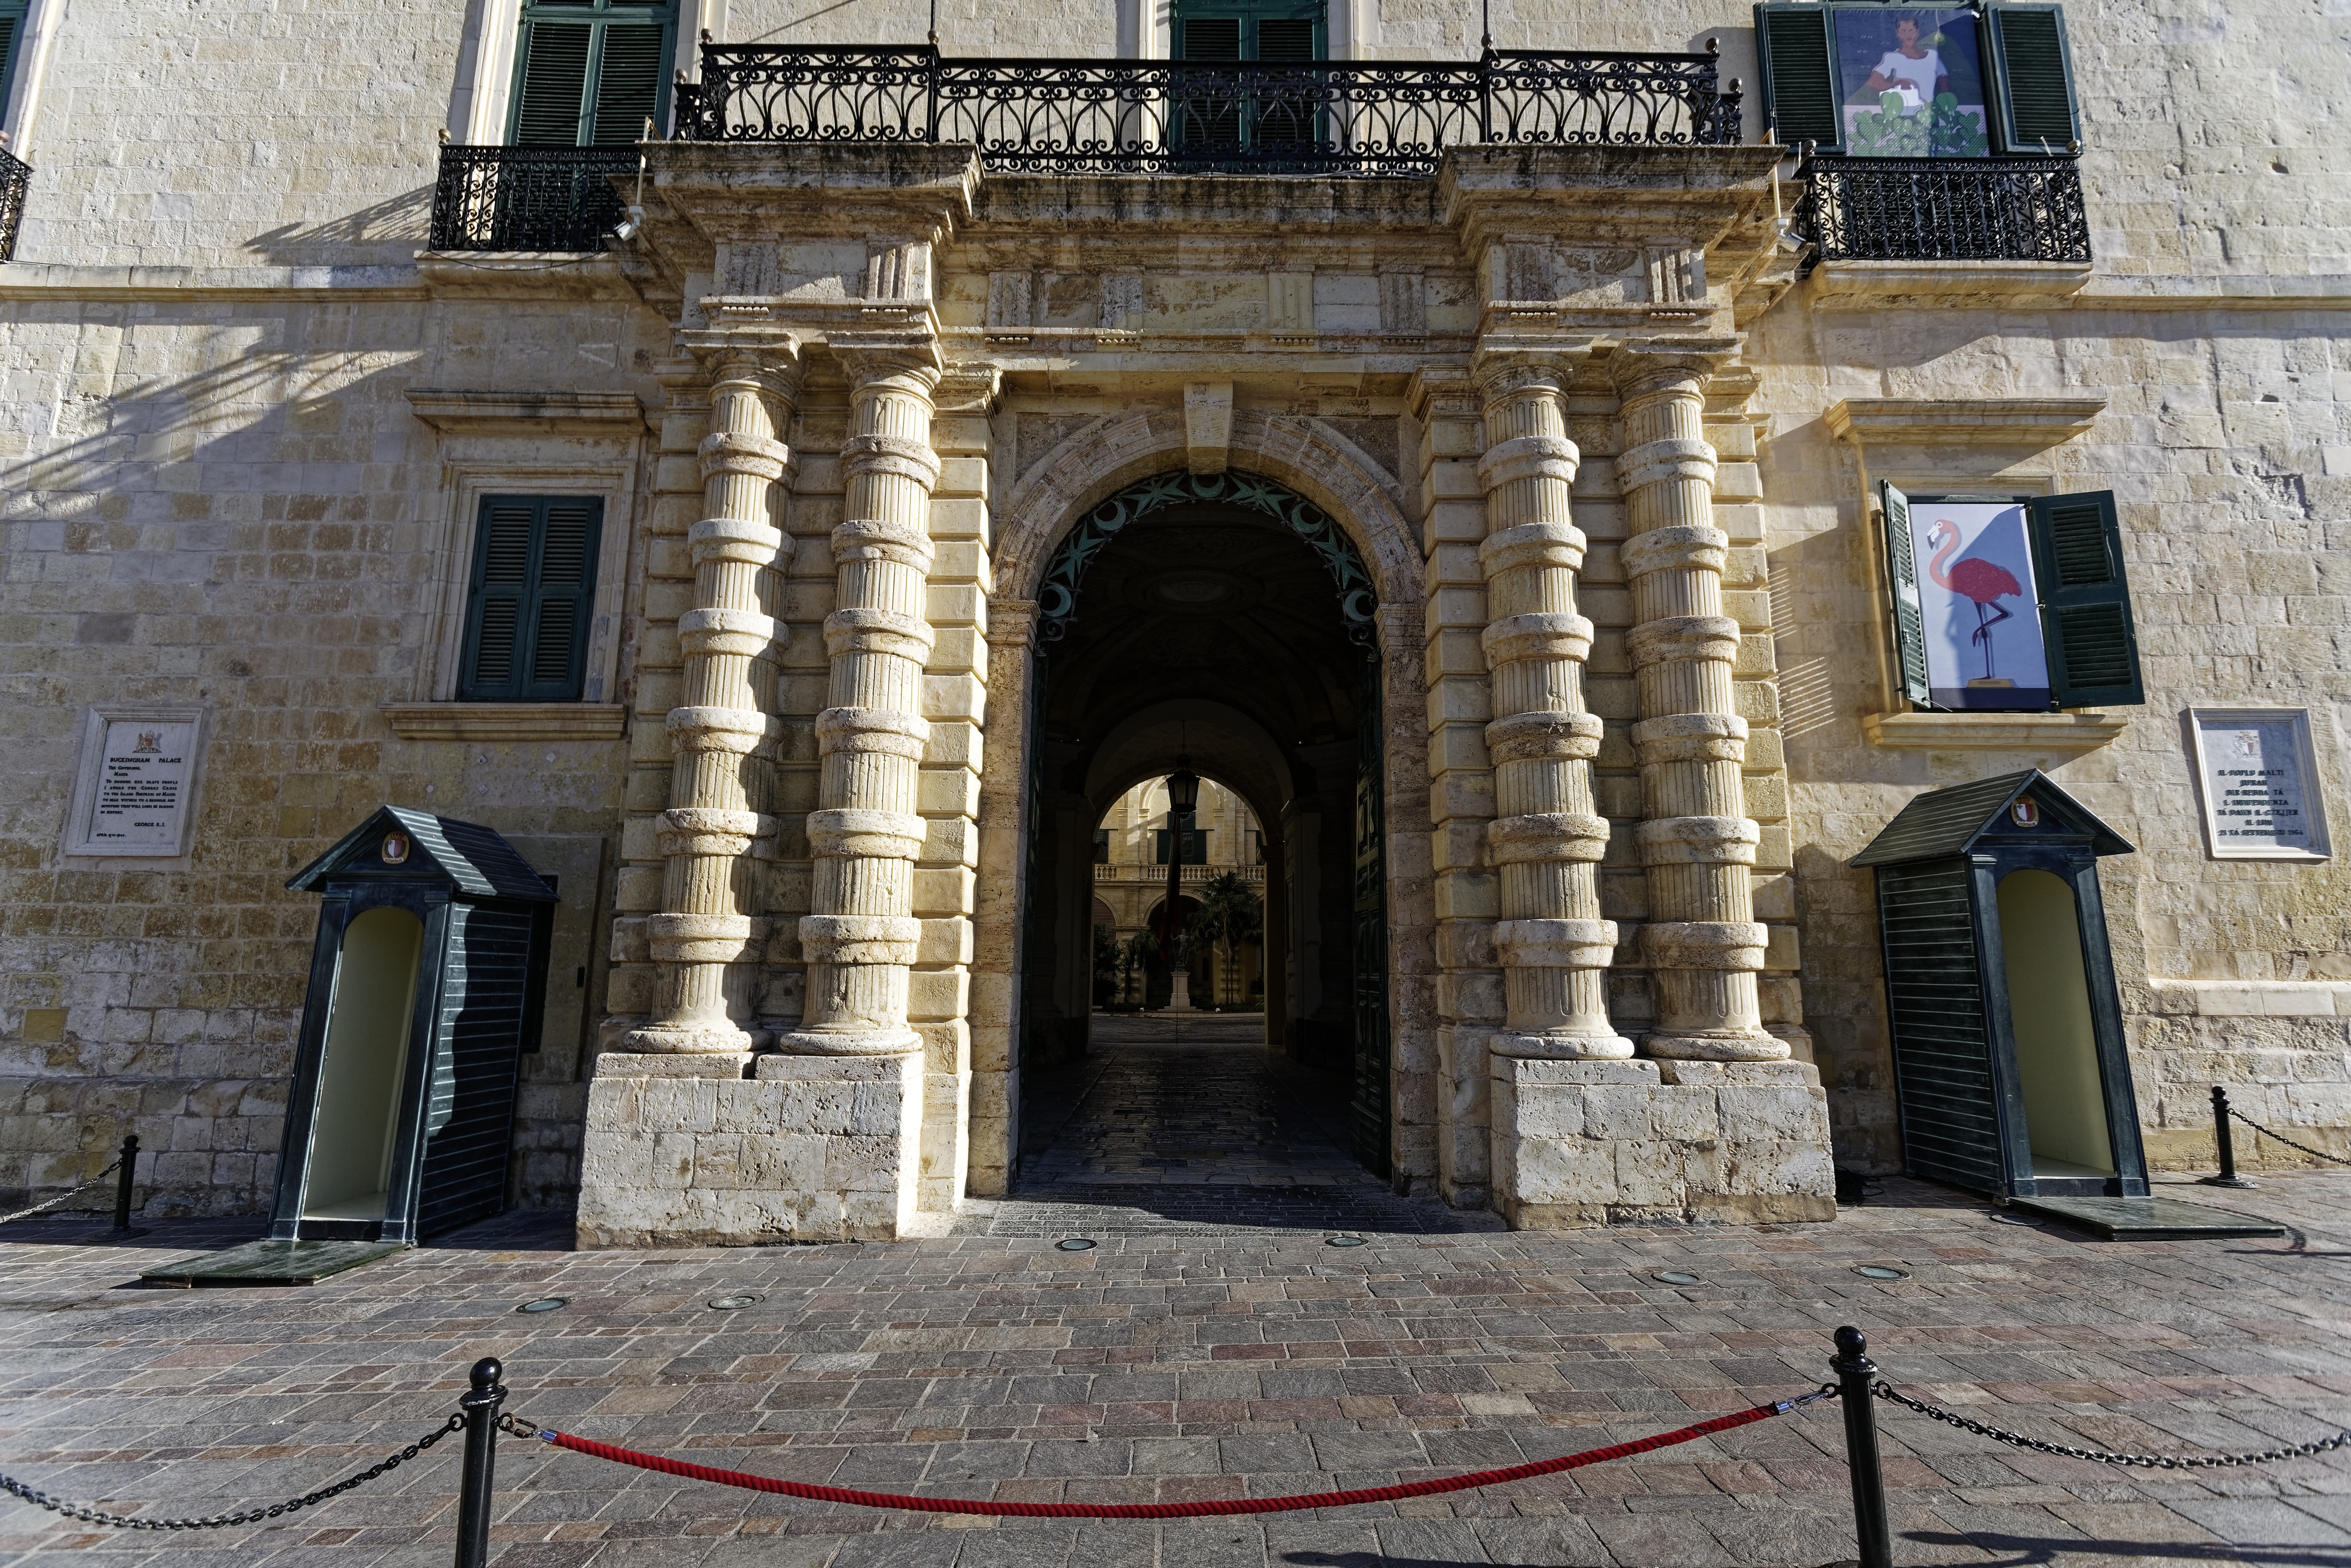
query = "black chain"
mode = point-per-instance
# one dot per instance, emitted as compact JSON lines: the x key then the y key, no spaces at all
{"x":52,"y":1203}
{"x":2144,"y":1461}
{"x":250,"y":1516}
{"x":2281,"y":1137}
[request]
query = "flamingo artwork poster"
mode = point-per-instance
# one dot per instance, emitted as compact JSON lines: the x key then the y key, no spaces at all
{"x":1980,"y":615}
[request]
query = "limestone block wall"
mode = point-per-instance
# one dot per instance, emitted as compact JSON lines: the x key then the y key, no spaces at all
{"x":2223,"y":425}
{"x":227,"y":501}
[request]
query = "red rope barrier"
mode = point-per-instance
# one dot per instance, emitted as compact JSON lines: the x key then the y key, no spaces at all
{"x":1168,"y":1509}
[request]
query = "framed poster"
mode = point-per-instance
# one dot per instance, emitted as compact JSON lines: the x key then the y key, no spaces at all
{"x":1979,"y":613}
{"x":1911,"y":83}
{"x":2257,"y":774}
{"x":134,"y":791}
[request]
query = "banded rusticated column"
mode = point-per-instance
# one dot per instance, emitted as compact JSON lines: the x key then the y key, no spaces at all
{"x":1545,"y":839}
{"x":1702,"y":942}
{"x":867,"y":832}
{"x":721,"y":737}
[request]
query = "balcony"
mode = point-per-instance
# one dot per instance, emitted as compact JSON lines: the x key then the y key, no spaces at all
{"x":15,"y":181}
{"x":1945,"y":209}
{"x":1328,"y":119}
{"x":529,"y":198}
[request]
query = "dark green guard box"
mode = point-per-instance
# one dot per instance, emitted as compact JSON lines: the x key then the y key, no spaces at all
{"x":2008,"y":1066}
{"x":425,"y":988}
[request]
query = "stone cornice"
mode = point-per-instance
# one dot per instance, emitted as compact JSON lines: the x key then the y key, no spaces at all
{"x":454,"y":411}
{"x":2037,"y":422}
{"x":506,"y":721}
{"x":1993,"y":731}
{"x":1870,"y":285}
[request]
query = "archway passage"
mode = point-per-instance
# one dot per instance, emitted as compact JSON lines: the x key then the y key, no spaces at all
{"x":1223,"y":624}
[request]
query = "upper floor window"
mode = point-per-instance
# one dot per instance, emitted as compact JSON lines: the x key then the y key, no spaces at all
{"x":1895,"y":81}
{"x":589,"y":73}
{"x":528,"y":604}
{"x":1249,"y":30}
{"x":12,"y":47}
{"x":2011,"y":602}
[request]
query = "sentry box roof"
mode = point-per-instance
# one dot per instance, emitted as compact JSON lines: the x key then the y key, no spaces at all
{"x":476,"y":859}
{"x":1949,"y":822}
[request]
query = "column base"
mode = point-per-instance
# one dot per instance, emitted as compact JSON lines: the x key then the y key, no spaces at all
{"x":1726,"y":1046}
{"x":1585,"y":1144}
{"x":722,"y":1039}
{"x":1563,"y":1047}
{"x":848,"y":1041}
{"x":809,"y":1148}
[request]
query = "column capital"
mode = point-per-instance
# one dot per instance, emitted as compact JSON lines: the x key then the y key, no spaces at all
{"x":773,"y":356}
{"x":908,"y":355}
{"x":1506,"y":364}
{"x":1649,"y":365}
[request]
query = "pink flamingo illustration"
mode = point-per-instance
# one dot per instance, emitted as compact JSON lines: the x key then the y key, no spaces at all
{"x":1983,"y":584}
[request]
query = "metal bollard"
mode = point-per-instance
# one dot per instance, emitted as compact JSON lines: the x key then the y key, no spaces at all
{"x":2226,"y":1139}
{"x":481,"y":1407}
{"x":1856,"y":1374}
{"x":125,"y":1177}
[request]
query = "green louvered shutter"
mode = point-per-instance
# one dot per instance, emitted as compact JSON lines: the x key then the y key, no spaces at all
{"x":589,"y":73}
{"x":534,"y":584}
{"x":2038,"y":112}
{"x":552,"y":110}
{"x":629,"y":82}
{"x":1800,"y":93}
{"x":1902,"y":578}
{"x":12,"y":35}
{"x":2085,"y":613}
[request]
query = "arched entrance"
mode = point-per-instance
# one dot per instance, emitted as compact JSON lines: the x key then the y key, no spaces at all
{"x":1224,"y":621}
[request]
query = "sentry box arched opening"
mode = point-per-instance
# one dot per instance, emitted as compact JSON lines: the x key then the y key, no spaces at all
{"x":426,"y":986}
{"x":2009,"y":1063}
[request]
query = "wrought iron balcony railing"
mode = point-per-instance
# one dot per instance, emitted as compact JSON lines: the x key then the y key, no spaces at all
{"x":1152,"y":117}
{"x":15,"y":183}
{"x":529,"y":198}
{"x":1945,"y":209}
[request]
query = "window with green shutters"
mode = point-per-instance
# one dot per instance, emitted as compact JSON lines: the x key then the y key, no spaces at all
{"x":589,"y":73}
{"x":1248,"y":30}
{"x":1269,"y":31}
{"x":530,"y":598}
{"x":12,"y":40}
{"x":2079,"y":592}
{"x":2005,"y":67}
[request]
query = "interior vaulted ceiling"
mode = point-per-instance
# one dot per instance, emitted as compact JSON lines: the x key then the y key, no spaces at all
{"x":1203,"y":602}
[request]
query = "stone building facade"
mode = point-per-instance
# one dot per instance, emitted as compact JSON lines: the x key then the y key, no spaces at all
{"x":1578,"y":689}
{"x":1130,"y":883}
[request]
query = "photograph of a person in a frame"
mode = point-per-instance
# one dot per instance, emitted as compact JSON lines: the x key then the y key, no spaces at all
{"x":1913,"y":83}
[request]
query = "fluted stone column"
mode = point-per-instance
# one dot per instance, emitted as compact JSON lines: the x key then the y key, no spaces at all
{"x":721,"y":737}
{"x":1545,"y":840}
{"x":866,"y":832}
{"x":1702,"y":941}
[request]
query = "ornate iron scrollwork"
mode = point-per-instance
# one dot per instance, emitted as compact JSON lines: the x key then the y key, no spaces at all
{"x":1329,"y":118}
{"x":1945,"y":209}
{"x":15,"y":183}
{"x":1056,"y":596}
{"x":529,"y":198}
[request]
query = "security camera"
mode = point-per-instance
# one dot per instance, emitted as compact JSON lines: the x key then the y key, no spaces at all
{"x":630,"y":225}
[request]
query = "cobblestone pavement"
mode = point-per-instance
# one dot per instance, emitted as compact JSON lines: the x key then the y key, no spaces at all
{"x":1216,"y":1351}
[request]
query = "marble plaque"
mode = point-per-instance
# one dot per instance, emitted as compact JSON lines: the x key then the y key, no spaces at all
{"x":2259,"y":778}
{"x":137,"y":783}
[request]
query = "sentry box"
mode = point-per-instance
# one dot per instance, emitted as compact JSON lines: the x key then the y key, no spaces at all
{"x":2009,"y":1064}
{"x":426,"y":985}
